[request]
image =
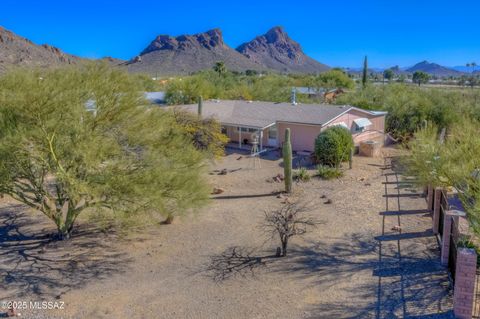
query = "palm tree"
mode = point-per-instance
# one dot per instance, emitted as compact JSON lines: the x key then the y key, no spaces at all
{"x":472,"y":65}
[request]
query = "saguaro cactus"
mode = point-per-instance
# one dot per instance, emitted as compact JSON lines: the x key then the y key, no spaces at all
{"x":350,"y":158}
{"x":287,"y":161}
{"x":200,"y":105}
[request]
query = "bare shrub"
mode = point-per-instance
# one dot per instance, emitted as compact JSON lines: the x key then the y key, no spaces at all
{"x":286,"y":222}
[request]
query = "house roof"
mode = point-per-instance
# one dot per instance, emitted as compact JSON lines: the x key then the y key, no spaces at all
{"x":263,"y":114}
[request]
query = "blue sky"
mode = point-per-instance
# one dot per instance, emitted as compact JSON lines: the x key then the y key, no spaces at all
{"x":338,"y":33}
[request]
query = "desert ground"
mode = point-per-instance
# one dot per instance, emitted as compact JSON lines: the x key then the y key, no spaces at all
{"x":371,"y":256}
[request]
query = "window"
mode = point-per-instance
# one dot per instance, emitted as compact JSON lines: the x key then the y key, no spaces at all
{"x":272,"y":132}
{"x":361,"y":124}
{"x":244,"y":129}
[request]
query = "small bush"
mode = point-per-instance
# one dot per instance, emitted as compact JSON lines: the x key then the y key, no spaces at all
{"x":328,"y":172}
{"x":301,"y":175}
{"x":333,"y":146}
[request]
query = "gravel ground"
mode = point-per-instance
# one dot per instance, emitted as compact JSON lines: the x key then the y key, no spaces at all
{"x":353,"y":265}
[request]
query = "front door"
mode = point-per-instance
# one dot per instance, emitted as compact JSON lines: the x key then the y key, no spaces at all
{"x":272,"y":136}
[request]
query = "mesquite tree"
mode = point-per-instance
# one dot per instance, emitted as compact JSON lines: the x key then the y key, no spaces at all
{"x":84,"y":139}
{"x":286,"y":222}
{"x":287,"y":161}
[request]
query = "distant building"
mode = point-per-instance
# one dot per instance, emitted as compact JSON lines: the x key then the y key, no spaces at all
{"x":309,"y":91}
{"x":155,"y":97}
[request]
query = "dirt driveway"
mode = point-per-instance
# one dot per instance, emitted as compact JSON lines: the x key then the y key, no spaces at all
{"x":217,"y":262}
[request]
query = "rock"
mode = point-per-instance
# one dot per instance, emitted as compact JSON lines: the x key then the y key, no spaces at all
{"x":278,"y":178}
{"x":397,"y":228}
{"x":217,"y":191}
{"x":239,"y":158}
{"x":223,"y":172}
{"x":328,"y":201}
{"x":323,"y":196}
{"x":12,"y":313}
{"x":367,"y":184}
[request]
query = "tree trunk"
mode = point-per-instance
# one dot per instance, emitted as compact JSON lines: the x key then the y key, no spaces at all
{"x":64,"y":222}
{"x":284,"y":247}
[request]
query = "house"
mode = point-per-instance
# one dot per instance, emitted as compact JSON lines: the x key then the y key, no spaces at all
{"x":309,"y":91}
{"x":244,"y":121}
{"x":331,"y":95}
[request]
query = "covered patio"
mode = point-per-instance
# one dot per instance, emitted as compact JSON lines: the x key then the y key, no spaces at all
{"x":245,"y":136}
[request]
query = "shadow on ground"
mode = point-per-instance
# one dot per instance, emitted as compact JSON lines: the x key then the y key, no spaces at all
{"x":32,"y":263}
{"x":407,"y":279}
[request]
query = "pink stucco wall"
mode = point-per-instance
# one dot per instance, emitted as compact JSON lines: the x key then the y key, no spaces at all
{"x":373,"y":132}
{"x":302,"y":136}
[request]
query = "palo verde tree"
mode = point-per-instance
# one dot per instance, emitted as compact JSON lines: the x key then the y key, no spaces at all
{"x":388,"y":74}
{"x":450,"y":161}
{"x":83,"y":139}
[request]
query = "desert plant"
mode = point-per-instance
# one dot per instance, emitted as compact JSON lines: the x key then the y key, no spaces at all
{"x":200,"y":106}
{"x":328,"y":172}
{"x":302,"y":175}
{"x":350,"y":159}
{"x":333,"y":146}
{"x":84,"y":139}
{"x":220,"y":68}
{"x":205,"y":133}
{"x":365,"y":72}
{"x":287,"y":161}
{"x":420,"y":77}
{"x":286,"y":222}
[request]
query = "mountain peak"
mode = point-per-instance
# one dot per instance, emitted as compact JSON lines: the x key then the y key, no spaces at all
{"x":433,"y":69}
{"x":184,"y":54}
{"x":16,"y":50}
{"x":276,"y":50}
{"x":209,"y":40}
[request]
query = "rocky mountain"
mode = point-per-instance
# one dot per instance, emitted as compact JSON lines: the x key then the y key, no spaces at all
{"x":113,"y":61}
{"x":18,"y":51}
{"x":189,"y":53}
{"x":433,"y":69}
{"x":277,"y":51}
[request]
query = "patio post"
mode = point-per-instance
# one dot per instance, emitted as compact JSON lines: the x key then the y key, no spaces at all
{"x":261,"y":139}
{"x":239,"y":137}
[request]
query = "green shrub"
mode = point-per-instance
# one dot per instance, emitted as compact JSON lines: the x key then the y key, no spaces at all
{"x":333,"y":146}
{"x":328,"y":172}
{"x":301,"y":175}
